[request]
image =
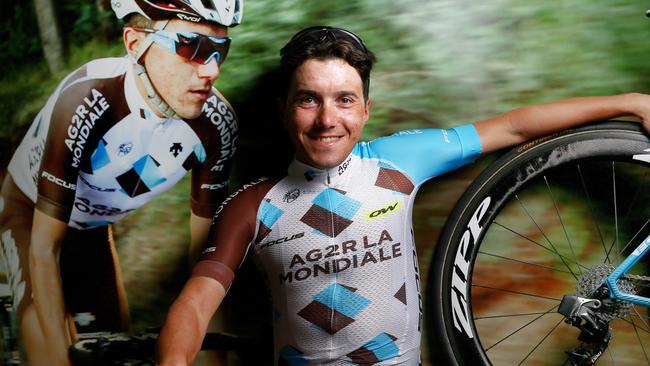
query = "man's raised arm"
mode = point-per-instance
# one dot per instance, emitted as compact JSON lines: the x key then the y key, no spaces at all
{"x":532,"y":121}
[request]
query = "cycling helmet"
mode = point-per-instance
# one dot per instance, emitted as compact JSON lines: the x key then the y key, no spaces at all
{"x":224,"y":12}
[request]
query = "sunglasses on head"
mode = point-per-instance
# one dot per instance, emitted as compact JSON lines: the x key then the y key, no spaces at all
{"x":191,"y":46}
{"x":328,"y":32}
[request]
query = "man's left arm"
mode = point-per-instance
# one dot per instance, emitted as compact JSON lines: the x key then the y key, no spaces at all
{"x":532,"y":121}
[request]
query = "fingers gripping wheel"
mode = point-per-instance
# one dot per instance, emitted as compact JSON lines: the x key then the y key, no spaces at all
{"x":223,"y":12}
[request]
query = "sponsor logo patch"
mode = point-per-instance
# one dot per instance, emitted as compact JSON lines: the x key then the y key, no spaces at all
{"x":176,"y":149}
{"x":124,"y":149}
{"x":383,"y":211}
{"x":291,"y":195}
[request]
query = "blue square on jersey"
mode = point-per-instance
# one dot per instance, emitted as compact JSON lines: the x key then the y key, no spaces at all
{"x":269,"y":214}
{"x":334,"y":201}
{"x":342,"y":299}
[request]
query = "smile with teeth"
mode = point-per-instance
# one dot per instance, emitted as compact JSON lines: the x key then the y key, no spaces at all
{"x":326,"y":138}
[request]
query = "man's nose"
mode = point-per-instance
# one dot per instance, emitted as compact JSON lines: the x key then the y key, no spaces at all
{"x":326,"y":115}
{"x":210,"y":70}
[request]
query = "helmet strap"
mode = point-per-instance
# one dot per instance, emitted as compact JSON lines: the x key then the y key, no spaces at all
{"x":153,"y":98}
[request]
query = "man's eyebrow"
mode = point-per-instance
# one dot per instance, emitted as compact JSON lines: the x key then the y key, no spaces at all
{"x":305,"y":92}
{"x":348,"y":93}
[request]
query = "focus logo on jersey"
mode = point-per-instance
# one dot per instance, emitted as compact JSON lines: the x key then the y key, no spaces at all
{"x":83,"y":120}
{"x":282,"y":240}
{"x":94,"y":187}
{"x":58,"y":181}
{"x":220,"y":115}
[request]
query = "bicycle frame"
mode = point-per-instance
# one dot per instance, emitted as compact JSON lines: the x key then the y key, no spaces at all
{"x":626,"y":265}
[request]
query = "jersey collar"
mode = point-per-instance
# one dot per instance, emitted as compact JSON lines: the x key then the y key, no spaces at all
{"x":335,"y":176}
{"x":136,"y":101}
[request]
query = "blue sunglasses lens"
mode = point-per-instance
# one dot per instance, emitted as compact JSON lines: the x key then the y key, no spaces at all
{"x":193,"y":46}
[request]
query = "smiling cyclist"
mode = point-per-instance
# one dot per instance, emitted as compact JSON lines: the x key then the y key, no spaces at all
{"x":114,"y":134}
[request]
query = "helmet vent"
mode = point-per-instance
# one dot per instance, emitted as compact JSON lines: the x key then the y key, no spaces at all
{"x":208,"y":4}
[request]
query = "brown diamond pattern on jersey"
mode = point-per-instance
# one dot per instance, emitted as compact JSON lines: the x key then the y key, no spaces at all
{"x":325,"y":317}
{"x":380,"y":348}
{"x":262,"y":233}
{"x":394,"y":180}
{"x":362,"y":356}
{"x":325,"y":221}
{"x":401,"y":294}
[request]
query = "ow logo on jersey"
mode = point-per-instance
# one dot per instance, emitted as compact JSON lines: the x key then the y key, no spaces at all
{"x":393,"y":207}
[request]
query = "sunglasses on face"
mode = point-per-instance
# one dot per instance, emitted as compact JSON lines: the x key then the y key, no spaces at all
{"x":191,"y":46}
{"x":328,"y":32}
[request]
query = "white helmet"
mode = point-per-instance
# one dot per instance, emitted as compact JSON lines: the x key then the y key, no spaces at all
{"x":224,"y":12}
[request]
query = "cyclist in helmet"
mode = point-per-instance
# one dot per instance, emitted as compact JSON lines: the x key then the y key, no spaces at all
{"x":114,"y":134}
{"x":334,"y":235}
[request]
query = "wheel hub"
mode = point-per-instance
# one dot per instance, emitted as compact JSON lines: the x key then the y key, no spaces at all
{"x":590,"y":285}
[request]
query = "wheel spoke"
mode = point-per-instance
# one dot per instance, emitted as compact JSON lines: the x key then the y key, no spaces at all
{"x":546,"y":237}
{"x":615,"y":197}
{"x":520,"y":328}
{"x":564,"y":258}
{"x":638,"y":337}
{"x":592,"y":210}
{"x":516,"y":292}
{"x":541,"y":341}
{"x":509,"y":315}
{"x":557,"y":212}
{"x":523,"y":262}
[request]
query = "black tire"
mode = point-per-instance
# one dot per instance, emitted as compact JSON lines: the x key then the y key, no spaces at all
{"x":524,"y":232}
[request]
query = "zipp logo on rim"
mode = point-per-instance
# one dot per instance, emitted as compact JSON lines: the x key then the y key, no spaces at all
{"x":459,"y":278}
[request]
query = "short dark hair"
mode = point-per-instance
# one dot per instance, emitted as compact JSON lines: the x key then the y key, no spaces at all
{"x":324,"y":42}
{"x":135,"y":20}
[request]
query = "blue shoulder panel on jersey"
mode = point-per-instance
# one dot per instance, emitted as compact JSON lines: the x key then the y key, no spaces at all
{"x":269,"y":214}
{"x":425,"y":153}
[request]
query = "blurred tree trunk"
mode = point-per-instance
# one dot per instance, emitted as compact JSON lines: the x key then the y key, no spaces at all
{"x":50,"y":31}
{"x":104,"y":17}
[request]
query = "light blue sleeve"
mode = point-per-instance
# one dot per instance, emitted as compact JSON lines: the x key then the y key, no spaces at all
{"x":426,"y":153}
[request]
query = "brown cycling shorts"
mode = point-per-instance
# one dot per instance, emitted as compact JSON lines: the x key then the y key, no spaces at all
{"x":92,"y":287}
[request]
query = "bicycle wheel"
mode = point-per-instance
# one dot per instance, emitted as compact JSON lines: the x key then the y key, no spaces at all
{"x":534,"y":223}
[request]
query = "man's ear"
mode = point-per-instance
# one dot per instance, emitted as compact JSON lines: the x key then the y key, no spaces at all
{"x":367,"y":110}
{"x":132,"y":40}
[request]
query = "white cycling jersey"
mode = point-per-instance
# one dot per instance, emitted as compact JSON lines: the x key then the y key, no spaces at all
{"x":338,"y":250}
{"x":107,"y":153}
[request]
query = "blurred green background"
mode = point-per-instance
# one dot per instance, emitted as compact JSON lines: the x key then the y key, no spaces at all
{"x":440,"y":63}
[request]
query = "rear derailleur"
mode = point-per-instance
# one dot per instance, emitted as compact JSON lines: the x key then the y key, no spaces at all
{"x":595,"y":333}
